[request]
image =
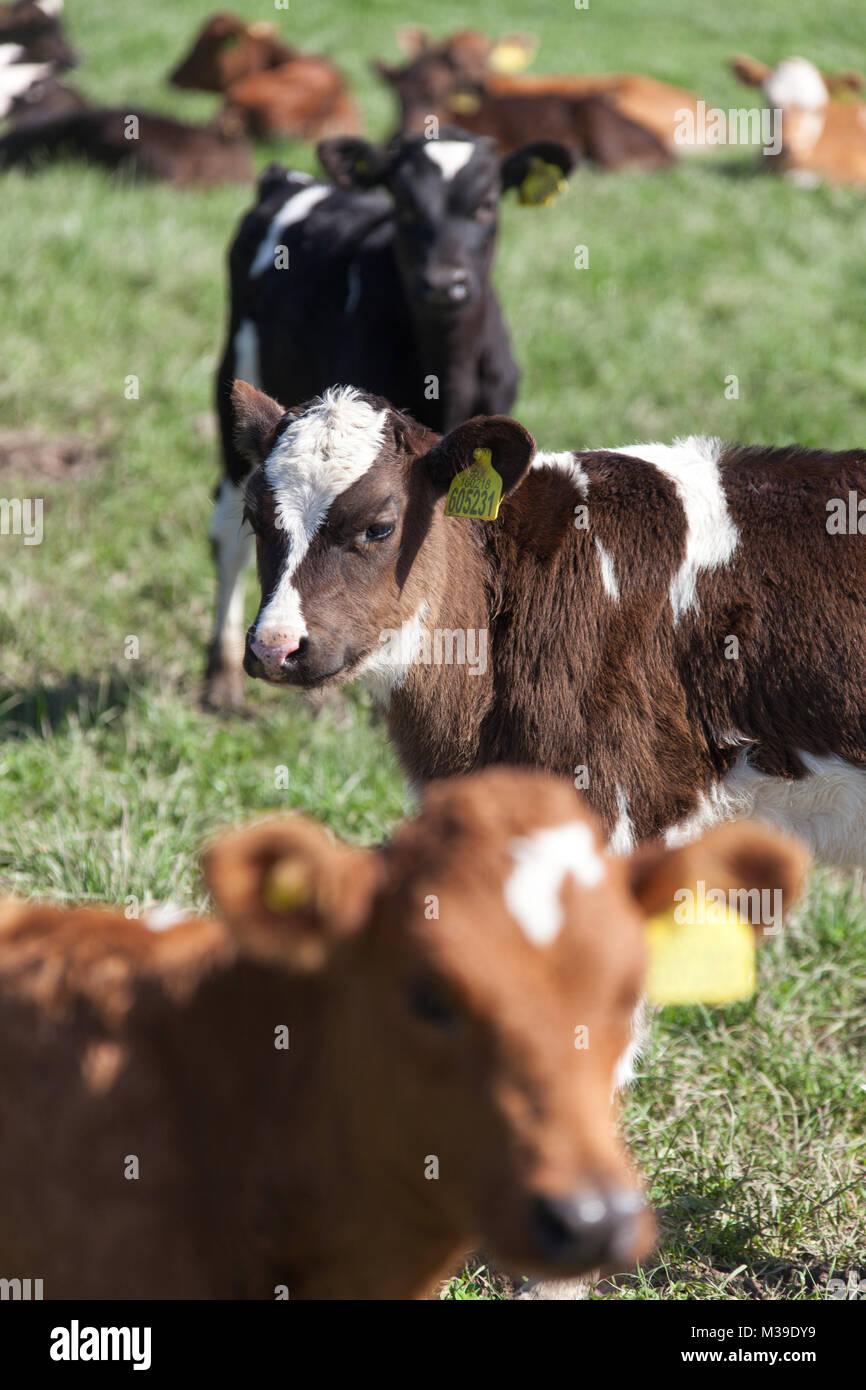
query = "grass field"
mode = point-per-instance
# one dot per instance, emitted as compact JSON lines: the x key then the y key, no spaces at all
{"x":750,"y":1122}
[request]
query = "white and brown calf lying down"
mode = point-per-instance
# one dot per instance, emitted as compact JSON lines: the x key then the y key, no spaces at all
{"x":365,"y":1067}
{"x":823,"y":119}
{"x":681,"y":629}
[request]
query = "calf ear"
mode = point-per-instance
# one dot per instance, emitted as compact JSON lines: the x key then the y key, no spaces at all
{"x":353,"y":164}
{"x":741,"y":855}
{"x":511,"y":451}
{"x":843,"y":83}
{"x":412,"y":40}
{"x":515,"y":167}
{"x":255,"y":419}
{"x":749,"y":70}
{"x":289,"y":892}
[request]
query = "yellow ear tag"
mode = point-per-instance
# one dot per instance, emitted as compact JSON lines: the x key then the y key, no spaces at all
{"x":286,"y":887}
{"x":464,"y":103}
{"x":477,"y":491}
{"x":509,"y":57}
{"x":542,"y":185}
{"x":711,"y":961}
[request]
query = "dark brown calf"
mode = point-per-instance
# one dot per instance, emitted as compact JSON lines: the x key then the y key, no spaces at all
{"x":227,"y":50}
{"x":368,"y":1066}
{"x":162,"y":148}
{"x":681,"y":629}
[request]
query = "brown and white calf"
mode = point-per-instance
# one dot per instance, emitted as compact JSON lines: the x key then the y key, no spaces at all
{"x":459,"y":82}
{"x":366,"y":1067}
{"x":823,"y":120}
{"x":680,"y":628}
{"x":382,"y":276}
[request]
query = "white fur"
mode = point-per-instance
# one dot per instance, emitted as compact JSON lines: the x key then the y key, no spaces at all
{"x":386,"y":668}
{"x":18,"y":78}
{"x":565,"y":462}
{"x":711,"y":537}
{"x":542,"y":861}
{"x":245,"y":347}
{"x":450,"y":156}
{"x":10,"y":53}
{"x":294,"y":209}
{"x":50,"y":6}
{"x":622,"y":836}
{"x":608,"y":573}
{"x":796,"y":83}
{"x":321,"y":454}
{"x":234,"y":546}
{"x":826,"y":809}
{"x":164,"y":916}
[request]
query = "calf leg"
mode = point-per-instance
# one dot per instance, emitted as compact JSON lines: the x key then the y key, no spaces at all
{"x":232,"y":543}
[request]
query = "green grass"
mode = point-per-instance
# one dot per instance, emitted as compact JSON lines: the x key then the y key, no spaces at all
{"x":750,"y":1121}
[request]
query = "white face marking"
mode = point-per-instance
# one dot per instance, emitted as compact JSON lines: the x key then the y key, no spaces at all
{"x":385,"y":669}
{"x":449,"y":155}
{"x":566,"y":463}
{"x":542,"y":862}
{"x":294,"y":209}
{"x":622,"y":836}
{"x":10,"y":53}
{"x":245,"y":346}
{"x":796,"y":83}
{"x":18,"y":78}
{"x":608,"y":573}
{"x":711,"y":537}
{"x":319,"y":455}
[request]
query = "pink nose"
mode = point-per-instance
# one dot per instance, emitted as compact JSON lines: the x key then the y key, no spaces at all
{"x":273,"y":644}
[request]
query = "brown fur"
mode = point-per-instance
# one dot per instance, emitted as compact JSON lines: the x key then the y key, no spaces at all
{"x":305,"y":1167}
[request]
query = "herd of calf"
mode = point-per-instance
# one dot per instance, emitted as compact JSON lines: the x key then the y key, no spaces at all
{"x":270,"y":89}
{"x":372,"y":1060}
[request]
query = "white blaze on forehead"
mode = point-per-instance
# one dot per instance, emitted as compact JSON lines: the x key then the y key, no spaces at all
{"x":298,"y":206}
{"x":318,"y":456}
{"x":796,"y":83}
{"x":711,"y":537}
{"x":542,"y":862}
{"x":449,"y":155}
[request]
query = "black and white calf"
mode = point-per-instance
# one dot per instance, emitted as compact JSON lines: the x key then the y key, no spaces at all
{"x":379,"y":277}
{"x":679,"y":628}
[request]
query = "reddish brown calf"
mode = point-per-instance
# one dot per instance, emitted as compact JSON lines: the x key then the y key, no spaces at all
{"x":367,"y":1067}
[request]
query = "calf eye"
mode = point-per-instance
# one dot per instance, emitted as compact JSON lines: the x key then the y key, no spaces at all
{"x":378,"y":531}
{"x":431,"y":1001}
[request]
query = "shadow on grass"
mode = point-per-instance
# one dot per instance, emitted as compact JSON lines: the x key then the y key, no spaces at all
{"x":44,"y":709}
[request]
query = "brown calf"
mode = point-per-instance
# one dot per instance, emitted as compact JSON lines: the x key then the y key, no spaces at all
{"x":186,"y":155}
{"x":270,"y":87}
{"x":366,"y":1067}
{"x":823,"y":122}
{"x":681,"y":628}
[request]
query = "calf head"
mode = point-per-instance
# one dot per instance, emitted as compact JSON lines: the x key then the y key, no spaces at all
{"x":226,"y":50}
{"x":435,"y":68}
{"x":482,"y":972}
{"x":348,"y":510}
{"x":38,"y":30}
{"x":446,"y":203}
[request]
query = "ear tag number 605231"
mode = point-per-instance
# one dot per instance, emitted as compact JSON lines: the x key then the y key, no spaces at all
{"x":477,"y":491}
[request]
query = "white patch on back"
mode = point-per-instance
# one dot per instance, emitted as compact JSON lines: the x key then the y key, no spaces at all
{"x":692,"y":464}
{"x":450,"y":156}
{"x":294,"y":209}
{"x":321,"y":454}
{"x":245,"y":347}
{"x":566,"y":463}
{"x":542,"y":862}
{"x":608,"y":573}
{"x":164,"y":916}
{"x":385,"y":669}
